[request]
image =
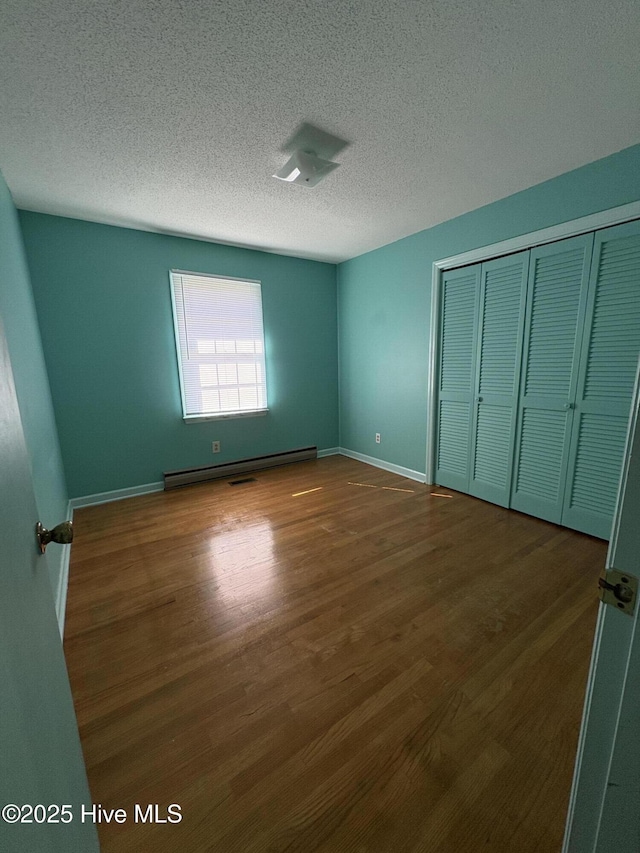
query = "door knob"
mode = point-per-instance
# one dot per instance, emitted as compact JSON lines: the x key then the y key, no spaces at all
{"x":61,"y":533}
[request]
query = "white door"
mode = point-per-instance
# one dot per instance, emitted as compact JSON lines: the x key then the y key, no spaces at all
{"x":604,"y":811}
{"x":41,"y":761}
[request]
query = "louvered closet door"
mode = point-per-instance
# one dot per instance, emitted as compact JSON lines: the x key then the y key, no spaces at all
{"x":557,"y":290}
{"x":608,"y":364}
{"x":497,"y":376}
{"x":459,"y":296}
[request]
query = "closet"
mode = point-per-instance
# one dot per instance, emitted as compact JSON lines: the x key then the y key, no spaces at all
{"x":537,"y":359}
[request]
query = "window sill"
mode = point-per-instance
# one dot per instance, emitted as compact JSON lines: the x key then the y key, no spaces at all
{"x":219,"y":416}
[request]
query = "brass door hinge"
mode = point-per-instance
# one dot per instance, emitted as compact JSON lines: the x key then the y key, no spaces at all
{"x":619,"y":589}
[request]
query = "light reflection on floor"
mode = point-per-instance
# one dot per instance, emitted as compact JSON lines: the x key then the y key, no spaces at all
{"x":243,"y":563}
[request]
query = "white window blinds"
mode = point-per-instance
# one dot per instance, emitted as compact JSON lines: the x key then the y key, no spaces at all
{"x":220,"y":344}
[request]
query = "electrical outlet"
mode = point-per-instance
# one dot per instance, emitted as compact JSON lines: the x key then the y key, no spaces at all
{"x":215,"y":446}
{"x":377,"y":438}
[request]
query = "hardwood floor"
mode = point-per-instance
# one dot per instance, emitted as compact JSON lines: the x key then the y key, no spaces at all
{"x":330,"y":658}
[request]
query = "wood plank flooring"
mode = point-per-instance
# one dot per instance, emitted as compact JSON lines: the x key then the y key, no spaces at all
{"x":329,"y":659}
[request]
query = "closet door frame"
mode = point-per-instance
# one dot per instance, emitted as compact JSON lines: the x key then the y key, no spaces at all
{"x":572,"y":228}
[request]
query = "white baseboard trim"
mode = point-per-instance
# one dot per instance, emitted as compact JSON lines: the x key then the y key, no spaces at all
{"x":148,"y":488}
{"x":329,"y":451}
{"x":116,"y":495}
{"x":386,"y":466}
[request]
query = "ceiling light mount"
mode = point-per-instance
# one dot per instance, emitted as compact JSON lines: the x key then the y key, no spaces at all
{"x":311,"y":150}
{"x":306,"y":168}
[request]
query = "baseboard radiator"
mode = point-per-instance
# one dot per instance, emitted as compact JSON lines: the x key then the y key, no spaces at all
{"x":174,"y":479}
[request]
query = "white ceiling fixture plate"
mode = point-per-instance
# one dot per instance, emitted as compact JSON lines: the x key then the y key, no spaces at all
{"x":305,"y":168}
{"x":307,"y":165}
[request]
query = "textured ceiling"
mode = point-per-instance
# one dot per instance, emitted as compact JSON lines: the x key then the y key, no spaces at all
{"x":172,"y":115}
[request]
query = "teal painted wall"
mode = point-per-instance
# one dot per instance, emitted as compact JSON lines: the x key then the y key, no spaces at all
{"x":20,"y":322}
{"x":384,"y":303}
{"x":103,"y":300}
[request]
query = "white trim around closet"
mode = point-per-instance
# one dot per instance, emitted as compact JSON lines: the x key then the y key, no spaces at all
{"x":593,"y":222}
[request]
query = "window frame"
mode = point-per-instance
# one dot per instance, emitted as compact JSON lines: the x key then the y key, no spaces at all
{"x":214,"y":416}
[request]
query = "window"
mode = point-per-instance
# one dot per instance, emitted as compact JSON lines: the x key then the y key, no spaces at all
{"x":220,"y":344}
